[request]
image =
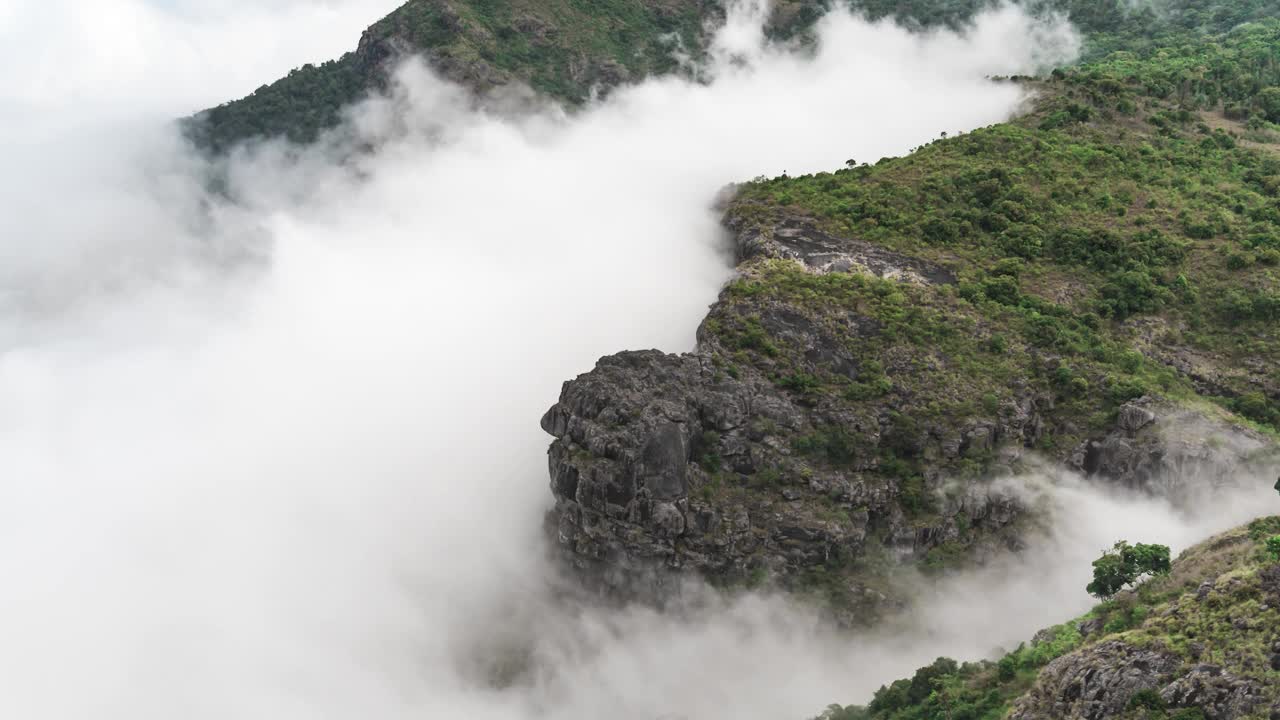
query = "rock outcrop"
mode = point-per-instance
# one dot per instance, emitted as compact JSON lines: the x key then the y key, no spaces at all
{"x":1102,"y":682}
{"x":1096,"y":683}
{"x":1219,"y":694}
{"x":1170,"y":451}
{"x":800,"y":239}
{"x":664,"y":463}
{"x":804,"y":443}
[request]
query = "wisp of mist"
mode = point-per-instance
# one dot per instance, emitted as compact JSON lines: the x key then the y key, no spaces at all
{"x":274,"y":452}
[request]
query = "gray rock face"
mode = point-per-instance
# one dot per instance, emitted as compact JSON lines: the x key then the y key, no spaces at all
{"x":664,"y":465}
{"x":1098,"y":683}
{"x":1168,"y":451}
{"x":721,"y":464}
{"x":800,"y":239}
{"x":1220,"y":695}
{"x":1092,"y":626}
{"x":1269,"y":579}
{"x":1095,"y":683}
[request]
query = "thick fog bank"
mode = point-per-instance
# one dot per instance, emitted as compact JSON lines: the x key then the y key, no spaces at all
{"x":310,"y":485}
{"x":761,"y":657}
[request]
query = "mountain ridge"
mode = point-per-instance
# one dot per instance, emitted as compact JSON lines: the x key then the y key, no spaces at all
{"x":569,"y":51}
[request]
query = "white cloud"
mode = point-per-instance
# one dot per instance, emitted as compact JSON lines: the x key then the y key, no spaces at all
{"x":64,"y":58}
{"x":311,"y":485}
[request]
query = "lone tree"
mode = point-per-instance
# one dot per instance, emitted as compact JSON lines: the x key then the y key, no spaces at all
{"x":1126,"y":564}
{"x":1273,"y":547}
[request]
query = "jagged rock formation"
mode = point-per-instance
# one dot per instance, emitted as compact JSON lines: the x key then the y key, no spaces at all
{"x":671,"y":463}
{"x":645,"y":446}
{"x":1096,"y":683}
{"x":726,"y":464}
{"x":800,"y":239}
{"x":1101,"y":682}
{"x":1171,"y":451}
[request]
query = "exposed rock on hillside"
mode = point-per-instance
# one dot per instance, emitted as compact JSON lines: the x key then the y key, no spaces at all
{"x":1201,"y":643}
{"x":812,"y":441}
{"x":1095,"y":683}
{"x":799,"y":238}
{"x":1211,"y":643}
{"x":665,"y":463}
{"x":900,"y":333}
{"x":1167,"y":450}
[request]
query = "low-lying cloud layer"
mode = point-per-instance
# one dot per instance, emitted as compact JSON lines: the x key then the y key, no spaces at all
{"x":278,"y":456}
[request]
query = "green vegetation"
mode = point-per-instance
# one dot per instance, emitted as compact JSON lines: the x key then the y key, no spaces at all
{"x":561,"y":48}
{"x":1128,"y":227}
{"x":1193,"y":611}
{"x":1125,"y":565}
{"x":566,"y":48}
{"x":299,"y":106}
{"x":1118,"y":241}
{"x":1108,"y":25}
{"x":964,"y":691}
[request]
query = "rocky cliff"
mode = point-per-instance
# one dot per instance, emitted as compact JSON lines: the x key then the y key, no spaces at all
{"x":830,"y":427}
{"x":1054,"y":289}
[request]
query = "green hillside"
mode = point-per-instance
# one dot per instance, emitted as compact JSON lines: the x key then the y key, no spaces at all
{"x":561,"y":48}
{"x":1202,"y":642}
{"x":566,"y":48}
{"x":1129,"y":227}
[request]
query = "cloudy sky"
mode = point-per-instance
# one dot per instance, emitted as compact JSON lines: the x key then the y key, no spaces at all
{"x":126,"y":57}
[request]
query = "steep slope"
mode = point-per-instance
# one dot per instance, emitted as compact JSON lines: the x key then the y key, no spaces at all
{"x":1201,"y":642}
{"x":567,"y":49}
{"x":561,"y":48}
{"x":1094,"y":283}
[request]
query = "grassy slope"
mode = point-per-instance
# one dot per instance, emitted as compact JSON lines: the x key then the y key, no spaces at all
{"x":1163,"y":613}
{"x":1109,"y":244}
{"x":1127,"y":227}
